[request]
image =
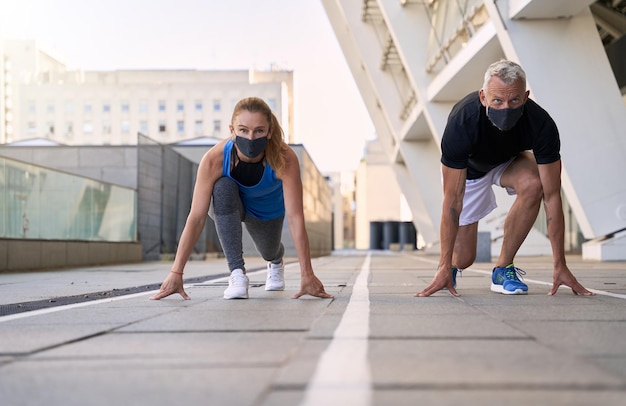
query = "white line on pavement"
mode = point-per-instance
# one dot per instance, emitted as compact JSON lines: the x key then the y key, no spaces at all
{"x":96,"y":302}
{"x":71,"y":306}
{"x":343,"y":374}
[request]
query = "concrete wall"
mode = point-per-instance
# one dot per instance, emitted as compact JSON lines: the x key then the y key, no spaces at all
{"x":149,"y":197}
{"x":23,"y":255}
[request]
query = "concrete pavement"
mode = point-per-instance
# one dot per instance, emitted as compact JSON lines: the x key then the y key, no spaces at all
{"x":94,"y":338}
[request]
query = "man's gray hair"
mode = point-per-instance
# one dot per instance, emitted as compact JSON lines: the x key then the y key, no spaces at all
{"x":507,"y":71}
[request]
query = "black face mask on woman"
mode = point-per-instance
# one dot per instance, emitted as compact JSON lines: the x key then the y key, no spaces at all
{"x":505,"y":119}
{"x":251,"y":148}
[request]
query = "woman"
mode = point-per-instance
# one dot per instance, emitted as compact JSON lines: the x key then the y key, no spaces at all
{"x":252,"y":177}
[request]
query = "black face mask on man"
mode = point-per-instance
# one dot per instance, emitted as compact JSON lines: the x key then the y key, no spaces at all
{"x":505,"y":119}
{"x":251,"y":148}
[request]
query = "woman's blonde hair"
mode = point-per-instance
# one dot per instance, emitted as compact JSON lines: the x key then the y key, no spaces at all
{"x":274,"y":149}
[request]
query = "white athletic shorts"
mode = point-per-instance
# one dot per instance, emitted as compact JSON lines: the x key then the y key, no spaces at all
{"x":479,"y":198}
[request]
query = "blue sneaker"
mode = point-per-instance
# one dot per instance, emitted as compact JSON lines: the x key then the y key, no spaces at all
{"x":454,"y":272}
{"x":506,"y":281}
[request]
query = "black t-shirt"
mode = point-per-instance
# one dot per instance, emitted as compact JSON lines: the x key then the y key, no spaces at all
{"x":471,"y":141}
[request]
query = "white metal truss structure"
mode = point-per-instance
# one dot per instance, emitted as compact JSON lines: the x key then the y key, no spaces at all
{"x":412,"y":60}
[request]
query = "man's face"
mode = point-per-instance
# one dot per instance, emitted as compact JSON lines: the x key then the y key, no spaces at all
{"x":498,"y":95}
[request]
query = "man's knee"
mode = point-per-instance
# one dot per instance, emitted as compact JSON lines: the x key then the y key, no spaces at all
{"x":464,"y":260}
{"x":530,"y":188}
{"x":464,"y":253}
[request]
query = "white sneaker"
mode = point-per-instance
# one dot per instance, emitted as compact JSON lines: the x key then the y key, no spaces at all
{"x":237,"y":285}
{"x":275,"y":276}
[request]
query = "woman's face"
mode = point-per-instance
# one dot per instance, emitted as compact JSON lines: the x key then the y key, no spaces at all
{"x":250,"y":125}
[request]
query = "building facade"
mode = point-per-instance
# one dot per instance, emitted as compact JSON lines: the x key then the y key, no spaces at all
{"x":41,"y":98}
{"x":413,"y":60}
{"x":381,"y":206}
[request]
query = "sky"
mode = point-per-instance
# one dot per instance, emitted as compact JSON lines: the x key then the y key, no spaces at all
{"x":330,"y":118}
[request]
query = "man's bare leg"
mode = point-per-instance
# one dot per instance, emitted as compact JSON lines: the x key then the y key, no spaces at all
{"x":523,"y":176}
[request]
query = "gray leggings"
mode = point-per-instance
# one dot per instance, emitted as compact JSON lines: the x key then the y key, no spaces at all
{"x":228,"y":213}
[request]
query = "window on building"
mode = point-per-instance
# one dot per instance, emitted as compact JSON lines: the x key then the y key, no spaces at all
{"x":69,"y":107}
{"x":217,"y":105}
{"x":50,"y":128}
{"x":50,"y":107}
{"x":87,"y":127}
{"x":87,"y":108}
{"x":162,"y":105}
{"x":106,"y":127}
{"x":31,"y":106}
{"x":162,"y":127}
{"x":180,"y":106}
{"x":143,"y":127}
{"x":125,"y":106}
{"x":32,"y":127}
{"x":69,"y":129}
{"x":143,"y":106}
{"x":106,"y":107}
{"x":217,"y":126}
{"x":198,"y":106}
{"x":125,"y":126}
{"x":180,"y":126}
{"x":198,"y":127}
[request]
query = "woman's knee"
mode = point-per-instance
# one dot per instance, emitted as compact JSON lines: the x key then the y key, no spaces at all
{"x":225,"y":185}
{"x":225,"y":196}
{"x":272,"y":255}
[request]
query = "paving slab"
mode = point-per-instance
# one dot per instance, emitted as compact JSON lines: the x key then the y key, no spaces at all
{"x":488,"y":363}
{"x":32,"y":338}
{"x":265,"y":315}
{"x":227,"y":349}
{"x":506,"y":395}
{"x":110,"y":382}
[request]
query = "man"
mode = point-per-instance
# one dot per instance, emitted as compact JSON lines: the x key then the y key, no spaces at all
{"x":498,"y":136}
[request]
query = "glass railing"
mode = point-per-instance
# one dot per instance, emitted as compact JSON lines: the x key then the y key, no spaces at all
{"x":453,"y":23}
{"x":390,"y":61}
{"x":41,"y":203}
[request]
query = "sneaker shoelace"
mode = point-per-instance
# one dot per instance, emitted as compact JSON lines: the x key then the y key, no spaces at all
{"x":274,"y":273}
{"x":238,"y":280}
{"x":514,"y":273}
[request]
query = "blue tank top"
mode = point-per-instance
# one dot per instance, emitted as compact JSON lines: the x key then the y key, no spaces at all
{"x":265,"y":200}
